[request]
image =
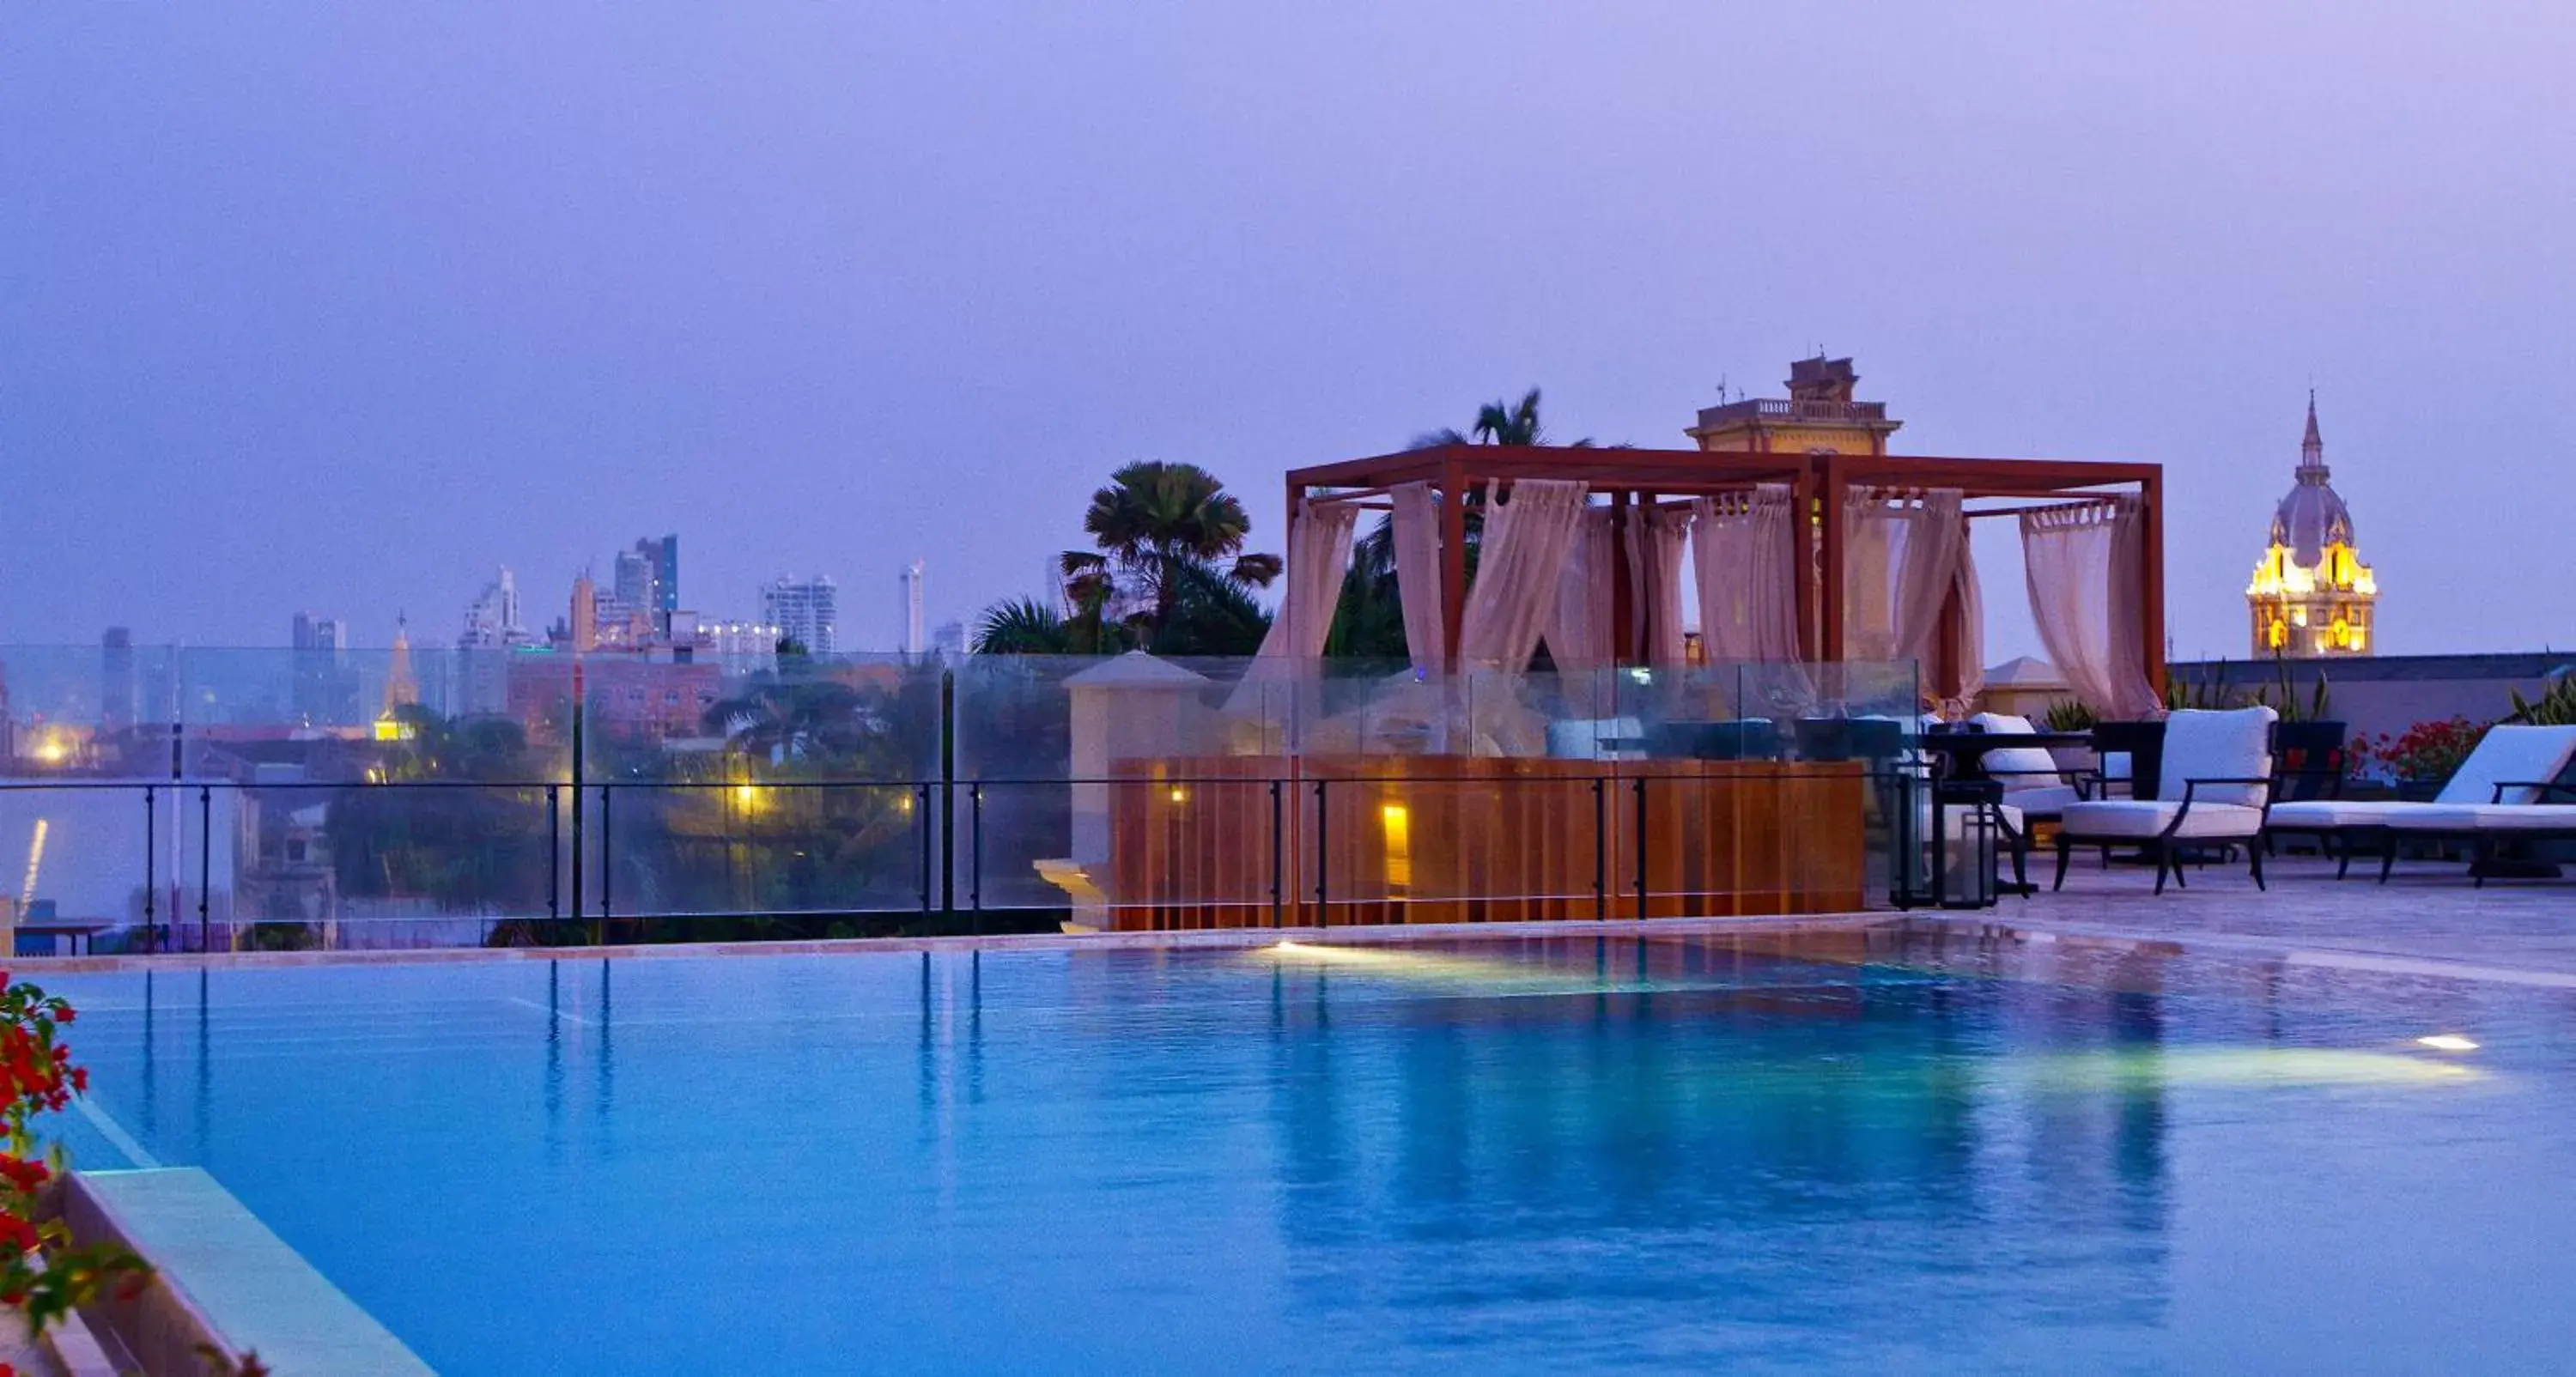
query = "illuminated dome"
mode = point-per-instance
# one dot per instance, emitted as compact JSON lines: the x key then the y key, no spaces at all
{"x":2311,"y":594}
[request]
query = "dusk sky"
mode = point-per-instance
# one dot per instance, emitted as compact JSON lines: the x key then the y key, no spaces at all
{"x":341,"y":306}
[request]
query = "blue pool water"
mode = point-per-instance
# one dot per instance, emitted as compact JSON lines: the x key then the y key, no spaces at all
{"x":1669,"y":1155}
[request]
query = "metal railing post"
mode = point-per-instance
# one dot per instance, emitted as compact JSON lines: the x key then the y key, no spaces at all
{"x":926,"y":880}
{"x":1323,"y":859}
{"x":607,"y":860}
{"x":1278,"y":850}
{"x":205,"y":864}
{"x":1600,"y":847}
{"x":975,"y":854}
{"x":151,"y":871}
{"x":1641,"y":846}
{"x":554,"y":854}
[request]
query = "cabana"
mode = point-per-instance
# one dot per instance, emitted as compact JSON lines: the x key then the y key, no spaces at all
{"x":1871,"y":574}
{"x":1802,"y":562}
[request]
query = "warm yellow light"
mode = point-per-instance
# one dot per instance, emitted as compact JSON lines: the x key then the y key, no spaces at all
{"x":1180,"y":795}
{"x":2447,"y":1042}
{"x":1398,"y":826}
{"x":51,"y":750}
{"x":746,"y":796}
{"x":390,"y":728}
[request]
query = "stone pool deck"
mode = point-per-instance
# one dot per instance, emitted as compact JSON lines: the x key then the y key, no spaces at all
{"x":2427,"y":919}
{"x":2427,"y":916}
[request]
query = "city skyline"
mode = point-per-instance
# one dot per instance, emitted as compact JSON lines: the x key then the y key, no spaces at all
{"x":351,"y":333}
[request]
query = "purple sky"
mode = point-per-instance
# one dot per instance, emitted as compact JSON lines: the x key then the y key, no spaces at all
{"x":341,"y":306}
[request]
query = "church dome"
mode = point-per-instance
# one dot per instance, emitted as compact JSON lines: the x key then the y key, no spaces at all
{"x":2313,"y":516}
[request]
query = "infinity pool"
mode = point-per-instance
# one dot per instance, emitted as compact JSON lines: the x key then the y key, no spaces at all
{"x":1676,"y":1154}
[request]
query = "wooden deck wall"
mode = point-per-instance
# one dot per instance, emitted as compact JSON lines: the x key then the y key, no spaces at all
{"x":1200,"y":842}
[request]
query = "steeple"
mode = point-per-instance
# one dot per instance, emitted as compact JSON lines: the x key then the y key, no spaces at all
{"x":401,"y":687}
{"x":2312,"y":447}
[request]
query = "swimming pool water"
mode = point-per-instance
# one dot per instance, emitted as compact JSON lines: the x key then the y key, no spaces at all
{"x":1612,"y":1154}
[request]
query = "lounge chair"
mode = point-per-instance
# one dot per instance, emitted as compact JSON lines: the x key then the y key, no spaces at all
{"x":2497,"y":794}
{"x":2035,"y":787}
{"x":2214,"y":790}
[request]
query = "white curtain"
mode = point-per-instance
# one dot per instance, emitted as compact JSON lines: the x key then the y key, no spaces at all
{"x":2082,"y":564}
{"x":1319,"y":552}
{"x":1657,"y":541}
{"x":1416,"y":523}
{"x":1518,"y":570}
{"x":1578,"y":636}
{"x":1901,"y":559}
{"x":1744,"y":557}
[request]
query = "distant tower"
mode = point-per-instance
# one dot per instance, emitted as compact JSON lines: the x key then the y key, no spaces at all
{"x":1819,"y":417}
{"x":2311,"y":595}
{"x":402,"y":687}
{"x":916,"y":633}
{"x":585,"y":615}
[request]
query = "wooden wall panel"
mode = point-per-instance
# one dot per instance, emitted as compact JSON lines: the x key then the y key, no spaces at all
{"x":1446,"y":839}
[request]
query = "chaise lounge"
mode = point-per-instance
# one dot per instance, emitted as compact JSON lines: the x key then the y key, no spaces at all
{"x":2499,"y":794}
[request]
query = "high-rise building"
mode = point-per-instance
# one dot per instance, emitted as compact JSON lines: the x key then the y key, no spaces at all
{"x":585,"y":615}
{"x":116,"y":683}
{"x":648,"y":580}
{"x":492,"y":619}
{"x":324,"y":691}
{"x":1819,"y":416}
{"x":2311,"y":595}
{"x":916,"y":636}
{"x":807,"y":611}
{"x":950,"y":640}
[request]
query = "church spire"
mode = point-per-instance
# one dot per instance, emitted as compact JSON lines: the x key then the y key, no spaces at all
{"x":2312,"y":447}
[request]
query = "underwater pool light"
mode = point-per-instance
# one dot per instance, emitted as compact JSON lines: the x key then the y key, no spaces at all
{"x":2447,"y":1042}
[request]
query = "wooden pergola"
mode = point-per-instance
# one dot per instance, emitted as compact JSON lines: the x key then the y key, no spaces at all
{"x":1821,"y":483}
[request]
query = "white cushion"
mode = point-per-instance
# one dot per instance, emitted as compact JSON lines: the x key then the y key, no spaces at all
{"x":2042,"y":800}
{"x":2510,"y":752}
{"x":2143,"y":818}
{"x":2336,"y":812}
{"x":2014,"y":764}
{"x":2497,"y":817}
{"x":2217,"y":745}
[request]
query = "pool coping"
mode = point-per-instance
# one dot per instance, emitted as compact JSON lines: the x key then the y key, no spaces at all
{"x":221,"y":1280}
{"x":1989,"y":923}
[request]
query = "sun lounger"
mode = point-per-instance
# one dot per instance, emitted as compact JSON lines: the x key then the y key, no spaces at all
{"x":2500,"y":793}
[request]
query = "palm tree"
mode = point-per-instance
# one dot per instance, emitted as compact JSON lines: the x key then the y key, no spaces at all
{"x":1498,"y":422}
{"x":1159,"y":525}
{"x":780,"y":717}
{"x":1022,"y":626}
